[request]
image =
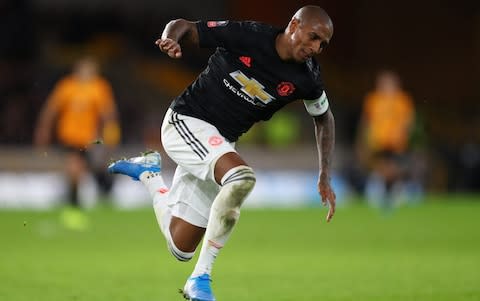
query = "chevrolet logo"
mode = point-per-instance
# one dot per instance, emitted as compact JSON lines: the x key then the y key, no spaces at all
{"x":252,"y":87}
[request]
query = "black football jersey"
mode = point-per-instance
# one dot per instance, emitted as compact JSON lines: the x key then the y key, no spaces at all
{"x":245,"y":81}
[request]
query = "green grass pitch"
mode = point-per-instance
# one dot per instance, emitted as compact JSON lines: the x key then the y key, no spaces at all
{"x":426,"y":252}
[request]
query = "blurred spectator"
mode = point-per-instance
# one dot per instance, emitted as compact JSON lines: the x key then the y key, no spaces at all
{"x":83,"y":106}
{"x":383,"y":143}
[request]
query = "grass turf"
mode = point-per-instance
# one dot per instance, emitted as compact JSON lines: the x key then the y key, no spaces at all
{"x":427,"y":252}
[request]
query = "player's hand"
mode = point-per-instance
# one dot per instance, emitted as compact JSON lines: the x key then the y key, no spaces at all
{"x":327,"y":194}
{"x":170,"y":47}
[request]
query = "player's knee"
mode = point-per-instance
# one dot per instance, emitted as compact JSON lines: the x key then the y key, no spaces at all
{"x":240,"y":182}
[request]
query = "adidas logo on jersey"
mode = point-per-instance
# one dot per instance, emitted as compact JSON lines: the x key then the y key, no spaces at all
{"x":246,"y":60}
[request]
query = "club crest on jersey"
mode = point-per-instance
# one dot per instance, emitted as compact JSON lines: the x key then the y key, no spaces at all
{"x":285,"y":88}
{"x":217,"y":23}
{"x":252,"y":88}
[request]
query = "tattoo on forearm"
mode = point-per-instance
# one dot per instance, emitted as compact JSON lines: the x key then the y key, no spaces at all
{"x":325,"y":132}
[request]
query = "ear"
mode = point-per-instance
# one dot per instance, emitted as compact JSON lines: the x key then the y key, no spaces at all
{"x":292,"y":25}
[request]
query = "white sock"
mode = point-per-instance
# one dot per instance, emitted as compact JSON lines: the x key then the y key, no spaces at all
{"x":153,"y":181}
{"x":237,"y":184}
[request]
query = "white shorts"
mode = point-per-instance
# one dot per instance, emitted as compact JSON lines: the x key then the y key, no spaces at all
{"x":195,"y":145}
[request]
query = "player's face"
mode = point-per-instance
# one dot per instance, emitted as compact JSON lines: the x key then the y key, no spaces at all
{"x":309,"y":39}
{"x":85,"y":70}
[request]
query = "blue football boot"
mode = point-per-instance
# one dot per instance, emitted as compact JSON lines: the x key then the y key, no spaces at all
{"x":198,"y":289}
{"x":134,"y":167}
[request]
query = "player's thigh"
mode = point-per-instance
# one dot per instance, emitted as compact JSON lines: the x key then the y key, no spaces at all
{"x":194,"y":144}
{"x":185,"y":236}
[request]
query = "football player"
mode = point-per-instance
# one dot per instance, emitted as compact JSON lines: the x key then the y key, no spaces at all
{"x":255,"y":70}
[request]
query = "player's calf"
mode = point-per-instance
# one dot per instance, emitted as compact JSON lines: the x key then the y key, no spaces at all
{"x":224,"y":214}
{"x":237,"y":183}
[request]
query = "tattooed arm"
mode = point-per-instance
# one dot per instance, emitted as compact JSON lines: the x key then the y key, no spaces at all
{"x":325,"y":136}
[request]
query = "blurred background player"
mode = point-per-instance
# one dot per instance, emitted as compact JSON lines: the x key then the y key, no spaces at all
{"x":383,"y":145}
{"x":82,"y":107}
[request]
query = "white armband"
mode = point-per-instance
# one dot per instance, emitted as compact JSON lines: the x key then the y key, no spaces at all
{"x":316,"y":107}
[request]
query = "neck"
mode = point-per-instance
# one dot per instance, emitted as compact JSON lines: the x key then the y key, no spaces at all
{"x":280,"y":43}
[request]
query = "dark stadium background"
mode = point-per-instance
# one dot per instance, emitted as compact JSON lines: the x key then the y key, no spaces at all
{"x":427,"y":249}
{"x":433,"y":45}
